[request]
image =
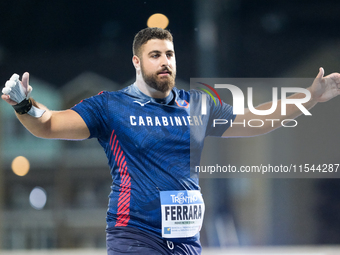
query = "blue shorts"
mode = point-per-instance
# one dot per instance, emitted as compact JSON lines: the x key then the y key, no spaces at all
{"x":127,"y":240}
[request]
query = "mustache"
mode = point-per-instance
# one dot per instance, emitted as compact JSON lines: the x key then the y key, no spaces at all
{"x":165,"y":69}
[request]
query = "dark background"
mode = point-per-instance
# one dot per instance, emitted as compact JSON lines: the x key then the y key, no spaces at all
{"x":57,"y":40}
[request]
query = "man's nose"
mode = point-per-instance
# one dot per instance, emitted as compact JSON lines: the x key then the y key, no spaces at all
{"x":165,"y":61}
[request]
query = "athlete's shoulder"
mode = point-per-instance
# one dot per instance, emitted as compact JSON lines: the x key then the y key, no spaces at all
{"x":100,"y":98}
{"x":183,"y":94}
{"x":101,"y":95}
{"x":188,"y":95}
{"x":126,"y":90}
{"x":107,"y":95}
{"x":195,"y":95}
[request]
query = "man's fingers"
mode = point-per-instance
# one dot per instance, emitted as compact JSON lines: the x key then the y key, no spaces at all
{"x":5,"y":97}
{"x":8,"y":99}
{"x":25,"y":80}
{"x":320,"y":74}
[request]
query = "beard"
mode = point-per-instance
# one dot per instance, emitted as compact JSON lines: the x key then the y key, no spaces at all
{"x":161,"y":84}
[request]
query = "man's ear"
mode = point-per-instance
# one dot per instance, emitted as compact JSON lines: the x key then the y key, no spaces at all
{"x":136,"y":62}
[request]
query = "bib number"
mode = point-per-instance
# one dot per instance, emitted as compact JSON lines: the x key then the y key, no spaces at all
{"x":182,"y":213}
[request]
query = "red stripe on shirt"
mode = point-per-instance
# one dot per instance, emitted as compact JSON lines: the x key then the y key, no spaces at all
{"x":123,"y":211}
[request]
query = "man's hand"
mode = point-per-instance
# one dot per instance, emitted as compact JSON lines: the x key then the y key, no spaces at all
{"x":26,"y":88}
{"x":17,"y":93}
{"x":325,"y":88}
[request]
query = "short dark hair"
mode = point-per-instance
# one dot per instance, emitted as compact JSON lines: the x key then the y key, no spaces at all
{"x":146,"y":34}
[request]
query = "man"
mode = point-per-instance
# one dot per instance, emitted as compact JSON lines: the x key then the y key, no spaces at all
{"x":145,"y":132}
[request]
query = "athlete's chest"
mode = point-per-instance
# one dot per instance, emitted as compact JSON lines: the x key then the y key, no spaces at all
{"x":144,"y":123}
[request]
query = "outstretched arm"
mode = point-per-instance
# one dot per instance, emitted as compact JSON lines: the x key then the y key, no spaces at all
{"x":322,"y":90}
{"x":52,"y":124}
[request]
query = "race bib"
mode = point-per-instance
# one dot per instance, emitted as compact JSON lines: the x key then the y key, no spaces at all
{"x":182,"y":213}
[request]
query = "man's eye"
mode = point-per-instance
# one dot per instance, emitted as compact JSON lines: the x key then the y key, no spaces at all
{"x":155,"y":56}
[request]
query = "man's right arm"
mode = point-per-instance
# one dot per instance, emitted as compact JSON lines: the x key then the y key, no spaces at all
{"x":66,"y":124}
{"x":56,"y":125}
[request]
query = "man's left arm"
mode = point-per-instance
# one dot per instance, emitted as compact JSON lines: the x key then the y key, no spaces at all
{"x":322,"y":90}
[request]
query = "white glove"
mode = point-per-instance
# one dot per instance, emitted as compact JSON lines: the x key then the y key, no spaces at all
{"x":19,"y":93}
{"x":15,"y":90}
